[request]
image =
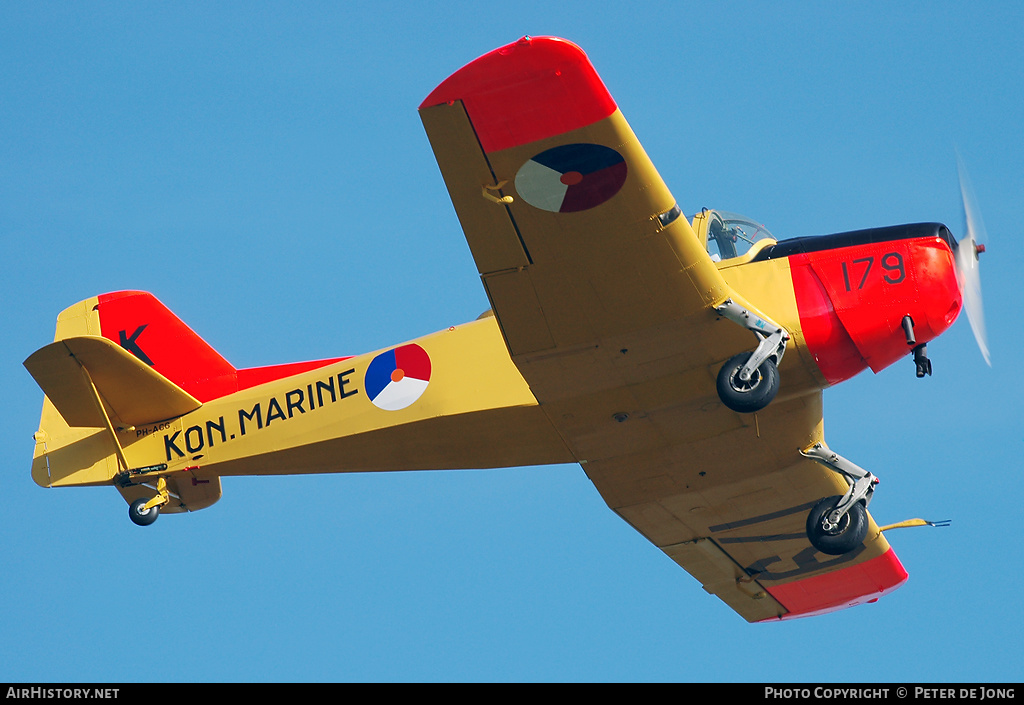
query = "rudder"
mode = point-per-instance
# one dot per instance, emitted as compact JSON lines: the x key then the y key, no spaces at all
{"x":142,"y":325}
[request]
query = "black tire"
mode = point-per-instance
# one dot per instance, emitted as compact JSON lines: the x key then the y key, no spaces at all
{"x":848,"y":535}
{"x":751,"y":396}
{"x":140,"y":516}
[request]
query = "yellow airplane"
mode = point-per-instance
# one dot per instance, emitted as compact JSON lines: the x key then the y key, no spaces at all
{"x":680,"y":362}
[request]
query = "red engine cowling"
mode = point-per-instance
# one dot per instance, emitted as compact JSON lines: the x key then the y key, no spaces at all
{"x":854,"y":289}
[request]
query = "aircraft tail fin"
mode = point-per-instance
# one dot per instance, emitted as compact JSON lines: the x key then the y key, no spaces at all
{"x":140,"y":324}
{"x":118,"y":361}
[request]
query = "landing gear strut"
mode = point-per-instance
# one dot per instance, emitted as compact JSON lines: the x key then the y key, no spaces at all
{"x":749,"y":381}
{"x":837,"y":525}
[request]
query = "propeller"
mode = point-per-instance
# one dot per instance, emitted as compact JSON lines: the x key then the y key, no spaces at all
{"x":969,"y":247}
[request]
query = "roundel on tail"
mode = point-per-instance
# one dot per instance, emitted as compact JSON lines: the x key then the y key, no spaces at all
{"x":571,"y":177}
{"x":398,"y":377}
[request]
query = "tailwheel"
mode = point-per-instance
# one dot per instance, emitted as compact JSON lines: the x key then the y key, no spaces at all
{"x":834,"y":535}
{"x":144,"y":511}
{"x":140,"y":515}
{"x":753,"y":393}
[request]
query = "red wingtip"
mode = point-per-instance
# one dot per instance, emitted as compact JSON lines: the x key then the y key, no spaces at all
{"x":846,"y":587}
{"x":528,"y":90}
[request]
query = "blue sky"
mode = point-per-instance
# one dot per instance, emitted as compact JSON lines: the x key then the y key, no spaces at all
{"x":261,"y":168}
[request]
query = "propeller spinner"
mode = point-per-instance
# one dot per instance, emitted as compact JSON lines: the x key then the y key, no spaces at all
{"x":968,"y":250}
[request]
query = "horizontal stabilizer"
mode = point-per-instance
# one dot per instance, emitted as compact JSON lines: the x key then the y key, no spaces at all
{"x":72,"y":371}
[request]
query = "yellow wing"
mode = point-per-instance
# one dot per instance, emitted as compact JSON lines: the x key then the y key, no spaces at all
{"x":576,"y":237}
{"x":605,"y":298}
{"x":731,"y":509}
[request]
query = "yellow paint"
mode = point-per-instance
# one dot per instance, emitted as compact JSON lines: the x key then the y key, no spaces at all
{"x":70,"y":371}
{"x":603,"y":349}
{"x":473,"y":385}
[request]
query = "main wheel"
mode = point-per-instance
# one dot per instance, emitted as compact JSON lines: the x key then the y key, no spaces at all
{"x":140,"y":516}
{"x":752,"y":395}
{"x":843,"y":537}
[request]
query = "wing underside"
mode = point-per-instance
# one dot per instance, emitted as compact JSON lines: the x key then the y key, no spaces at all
{"x":731,"y":509}
{"x":605,"y":297}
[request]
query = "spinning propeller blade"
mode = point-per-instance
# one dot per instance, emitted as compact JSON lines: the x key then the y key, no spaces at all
{"x":968,"y":249}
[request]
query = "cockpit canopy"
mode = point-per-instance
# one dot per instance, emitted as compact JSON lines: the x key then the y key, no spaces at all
{"x":727,"y":234}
